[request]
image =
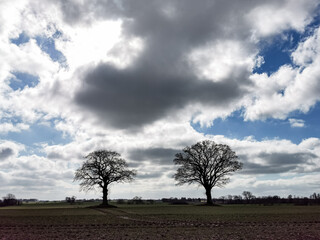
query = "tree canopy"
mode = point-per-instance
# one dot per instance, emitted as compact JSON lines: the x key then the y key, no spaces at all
{"x":206,"y":163}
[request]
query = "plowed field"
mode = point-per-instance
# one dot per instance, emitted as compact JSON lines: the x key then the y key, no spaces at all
{"x":161,"y":222}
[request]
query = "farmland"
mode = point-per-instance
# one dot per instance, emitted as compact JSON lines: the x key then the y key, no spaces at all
{"x":159,"y":221}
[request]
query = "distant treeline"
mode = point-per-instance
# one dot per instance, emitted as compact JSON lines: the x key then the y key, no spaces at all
{"x":314,"y":199}
{"x":246,"y":198}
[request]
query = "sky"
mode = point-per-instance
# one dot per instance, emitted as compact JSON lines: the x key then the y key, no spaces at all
{"x":147,"y":78}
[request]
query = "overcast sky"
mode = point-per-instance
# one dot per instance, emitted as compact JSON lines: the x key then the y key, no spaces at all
{"x":147,"y":78}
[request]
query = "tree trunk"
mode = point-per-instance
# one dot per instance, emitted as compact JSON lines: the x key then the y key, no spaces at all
{"x":209,"y":198}
{"x":105,"y":196}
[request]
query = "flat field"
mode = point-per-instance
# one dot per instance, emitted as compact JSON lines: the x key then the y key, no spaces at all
{"x":159,"y":221}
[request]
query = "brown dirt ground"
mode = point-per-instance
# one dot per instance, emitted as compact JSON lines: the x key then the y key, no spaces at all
{"x":121,"y":225}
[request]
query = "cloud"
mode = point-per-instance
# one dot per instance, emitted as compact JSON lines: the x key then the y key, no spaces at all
{"x":311,"y":143}
{"x":128,"y":69}
{"x":9,"y":149}
{"x":9,"y":127}
{"x":307,"y":51}
{"x":296,"y":122}
{"x":149,"y":176}
{"x":133,"y":98}
{"x":278,"y":185}
{"x":202,"y":64}
{"x":278,"y":162}
{"x":163,"y":156}
{"x":296,"y":184}
{"x":54,"y":155}
{"x":293,"y":88}
{"x":274,"y":17}
{"x":163,"y":78}
{"x":86,"y":12}
{"x":5,"y":153}
{"x":274,"y":156}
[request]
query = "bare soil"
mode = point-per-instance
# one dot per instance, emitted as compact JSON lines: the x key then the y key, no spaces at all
{"x":99,"y":223}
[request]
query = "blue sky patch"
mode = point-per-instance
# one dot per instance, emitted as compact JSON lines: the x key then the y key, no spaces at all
{"x":57,"y":34}
{"x":23,"y":38}
{"x":48,"y":46}
{"x":22,"y":80}
{"x":33,"y":137}
{"x":276,"y":52}
{"x":38,"y":133}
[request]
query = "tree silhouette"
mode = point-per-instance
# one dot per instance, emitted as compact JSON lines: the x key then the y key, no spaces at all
{"x":101,"y":168}
{"x":207,"y":164}
{"x":10,"y":200}
{"x":248,"y":196}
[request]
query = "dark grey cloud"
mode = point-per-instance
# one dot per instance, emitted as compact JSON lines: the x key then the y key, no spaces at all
{"x":161,"y":80}
{"x":134,"y":97}
{"x":42,"y":176}
{"x":2,"y":179}
{"x":162,"y":156}
{"x":11,"y":165}
{"x":253,"y":168}
{"x":85,"y":12}
{"x":54,"y":155}
{"x":5,"y":153}
{"x":149,"y":175}
{"x":278,"y":163}
{"x":32,"y":184}
{"x":287,"y":158}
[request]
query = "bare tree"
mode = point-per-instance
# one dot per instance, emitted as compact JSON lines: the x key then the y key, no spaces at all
{"x":10,"y":196}
{"x":10,"y":200}
{"x":248,"y":196}
{"x":207,"y":164}
{"x":101,"y":168}
{"x":71,"y":200}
